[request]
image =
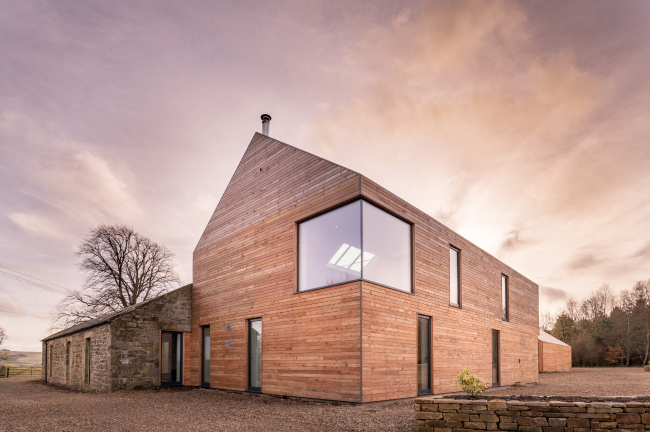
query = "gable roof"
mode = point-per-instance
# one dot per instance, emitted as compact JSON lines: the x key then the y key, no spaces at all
{"x":263,"y":148}
{"x":104,"y":319}
{"x":249,"y":185}
{"x":545,"y":337}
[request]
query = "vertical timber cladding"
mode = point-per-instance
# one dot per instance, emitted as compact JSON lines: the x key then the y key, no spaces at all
{"x":244,"y":267}
{"x":460,"y":337}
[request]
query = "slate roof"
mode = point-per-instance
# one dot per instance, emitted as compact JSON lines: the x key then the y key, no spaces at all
{"x":95,"y":322}
{"x":545,"y":337}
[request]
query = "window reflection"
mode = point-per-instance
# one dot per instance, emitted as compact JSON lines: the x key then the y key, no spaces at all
{"x":386,"y":248}
{"x":330,"y":246}
{"x":454,"y":285}
{"x":330,"y":250}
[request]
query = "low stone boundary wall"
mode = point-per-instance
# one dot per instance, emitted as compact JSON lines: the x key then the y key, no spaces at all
{"x":452,"y":415}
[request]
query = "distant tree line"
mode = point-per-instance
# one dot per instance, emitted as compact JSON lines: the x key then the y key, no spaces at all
{"x":605,"y":329}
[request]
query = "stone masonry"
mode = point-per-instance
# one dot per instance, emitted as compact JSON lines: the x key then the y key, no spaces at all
{"x":452,"y":415}
{"x":74,"y":376}
{"x":125,"y":346}
{"x":135,"y":341}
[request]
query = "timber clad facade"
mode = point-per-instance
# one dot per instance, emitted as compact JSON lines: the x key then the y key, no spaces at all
{"x":352,"y":341}
{"x":554,"y":355}
{"x":310,"y":280}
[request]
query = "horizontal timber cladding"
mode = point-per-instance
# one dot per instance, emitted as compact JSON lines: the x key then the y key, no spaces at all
{"x":317,"y":343}
{"x":555,"y":358}
{"x":245,"y":267}
{"x":460,"y":337}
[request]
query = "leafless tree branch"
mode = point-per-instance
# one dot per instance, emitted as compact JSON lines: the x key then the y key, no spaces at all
{"x":121,"y":268}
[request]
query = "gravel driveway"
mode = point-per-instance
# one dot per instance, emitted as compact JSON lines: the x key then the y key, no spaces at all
{"x":27,"y":405}
{"x":32,"y":406}
{"x":585,"y":382}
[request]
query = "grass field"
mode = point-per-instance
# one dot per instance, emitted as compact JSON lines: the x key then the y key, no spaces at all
{"x":24,"y":359}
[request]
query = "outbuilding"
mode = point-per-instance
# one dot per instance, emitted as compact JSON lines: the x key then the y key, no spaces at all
{"x":554,"y":355}
{"x":139,"y":347}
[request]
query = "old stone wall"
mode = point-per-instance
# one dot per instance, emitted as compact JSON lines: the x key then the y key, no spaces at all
{"x":136,"y":338}
{"x":451,"y":415}
{"x":55,"y":354}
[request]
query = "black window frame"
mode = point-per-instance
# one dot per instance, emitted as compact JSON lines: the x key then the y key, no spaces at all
{"x":430,"y":389}
{"x":459,"y":289}
{"x":204,"y":383}
{"x":360,"y":279}
{"x":505,"y":314}
{"x":496,"y":338}
{"x":180,"y":371}
{"x":248,"y":337}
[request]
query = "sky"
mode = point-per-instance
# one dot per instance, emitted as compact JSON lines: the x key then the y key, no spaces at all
{"x":523,"y":126}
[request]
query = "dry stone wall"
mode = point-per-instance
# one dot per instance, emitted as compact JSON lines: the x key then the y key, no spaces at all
{"x":451,"y":415}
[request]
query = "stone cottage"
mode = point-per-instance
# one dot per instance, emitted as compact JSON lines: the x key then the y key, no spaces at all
{"x":136,"y":348}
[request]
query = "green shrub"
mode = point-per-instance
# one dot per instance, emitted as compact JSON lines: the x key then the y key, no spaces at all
{"x":472,"y":384}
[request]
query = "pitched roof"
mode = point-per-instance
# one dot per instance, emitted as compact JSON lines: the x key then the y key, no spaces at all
{"x":95,"y":322}
{"x":545,"y":337}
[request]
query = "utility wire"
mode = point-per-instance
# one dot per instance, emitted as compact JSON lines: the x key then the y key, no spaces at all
{"x":36,"y":284}
{"x":20,"y":313}
{"x":33,"y":277}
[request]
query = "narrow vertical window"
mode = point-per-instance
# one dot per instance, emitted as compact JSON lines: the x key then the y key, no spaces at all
{"x":504,"y":298}
{"x":255,"y":354}
{"x":88,"y":358}
{"x":496,"y":379}
{"x":67,"y":362}
{"x":205,"y":365}
{"x":424,"y":354}
{"x":454,"y":276}
{"x":50,"y":361}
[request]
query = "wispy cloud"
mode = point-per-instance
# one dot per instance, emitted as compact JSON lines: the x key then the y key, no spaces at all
{"x":553,"y":295}
{"x":502,"y":119}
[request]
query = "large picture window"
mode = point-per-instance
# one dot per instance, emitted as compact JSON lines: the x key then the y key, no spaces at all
{"x":354,"y":242}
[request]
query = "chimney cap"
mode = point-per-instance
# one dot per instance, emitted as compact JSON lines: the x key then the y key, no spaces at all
{"x":266,"y":117}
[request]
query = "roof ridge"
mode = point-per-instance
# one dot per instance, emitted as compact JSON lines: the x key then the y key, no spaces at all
{"x":106,"y":318}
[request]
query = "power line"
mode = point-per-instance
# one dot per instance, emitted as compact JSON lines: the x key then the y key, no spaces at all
{"x":21,"y":313}
{"x":36,"y":284}
{"x":33,"y":277}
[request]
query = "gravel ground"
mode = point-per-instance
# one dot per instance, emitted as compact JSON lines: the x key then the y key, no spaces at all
{"x":27,"y":405}
{"x":585,"y":382}
{"x":32,"y":406}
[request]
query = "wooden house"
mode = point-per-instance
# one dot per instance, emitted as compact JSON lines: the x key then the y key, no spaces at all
{"x":311,"y":280}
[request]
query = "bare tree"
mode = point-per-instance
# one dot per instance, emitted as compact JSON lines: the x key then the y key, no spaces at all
{"x":121,"y":268}
{"x":4,"y":355}
{"x":547,"y":321}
